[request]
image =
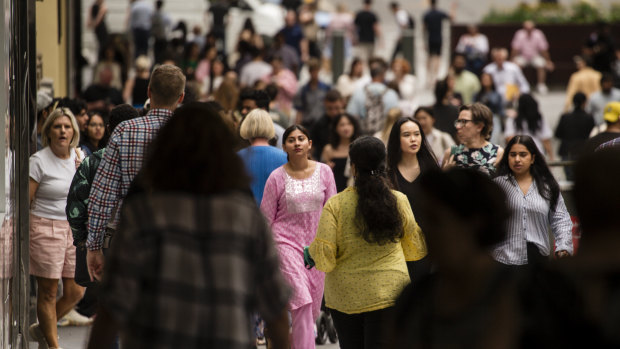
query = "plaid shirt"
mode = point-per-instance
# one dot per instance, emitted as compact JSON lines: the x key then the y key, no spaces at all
{"x":187,"y":271}
{"x":121,"y":163}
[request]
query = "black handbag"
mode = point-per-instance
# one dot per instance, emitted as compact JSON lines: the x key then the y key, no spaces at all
{"x":82,"y":277}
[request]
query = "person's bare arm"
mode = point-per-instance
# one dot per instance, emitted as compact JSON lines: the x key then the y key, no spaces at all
{"x":127,"y":91}
{"x":32,"y":188}
{"x":500,"y":155}
{"x":448,"y":160}
{"x":548,"y":149}
{"x":305,"y":50}
{"x":326,"y":156}
{"x":102,"y":11}
{"x":549,"y":65}
{"x":453,"y":8}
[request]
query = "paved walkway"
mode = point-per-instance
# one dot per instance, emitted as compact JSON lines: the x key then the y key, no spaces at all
{"x":77,"y":337}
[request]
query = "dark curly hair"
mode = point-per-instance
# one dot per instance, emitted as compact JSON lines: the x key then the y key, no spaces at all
{"x":194,"y":152}
{"x":334,"y":137}
{"x":426,"y":158}
{"x":548,"y":187}
{"x":377,"y":214}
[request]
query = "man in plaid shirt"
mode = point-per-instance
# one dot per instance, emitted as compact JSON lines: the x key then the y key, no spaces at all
{"x":192,"y":277}
{"x":123,"y":159}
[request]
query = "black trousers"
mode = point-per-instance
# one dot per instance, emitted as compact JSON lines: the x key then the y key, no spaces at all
{"x":533,"y":254}
{"x":362,"y":331}
{"x":141,"y":41}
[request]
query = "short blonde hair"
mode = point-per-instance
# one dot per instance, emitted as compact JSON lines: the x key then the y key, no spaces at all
{"x":47,"y":125}
{"x":257,"y":124}
{"x":143,"y":63}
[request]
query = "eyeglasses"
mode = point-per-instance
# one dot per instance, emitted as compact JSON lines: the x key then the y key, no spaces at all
{"x":461,"y":122}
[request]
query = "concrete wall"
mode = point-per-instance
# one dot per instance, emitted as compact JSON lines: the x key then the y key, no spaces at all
{"x":53,"y":50}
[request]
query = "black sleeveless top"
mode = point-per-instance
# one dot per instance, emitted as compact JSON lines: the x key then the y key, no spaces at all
{"x":101,"y":31}
{"x":139,"y":94}
{"x":339,"y":177}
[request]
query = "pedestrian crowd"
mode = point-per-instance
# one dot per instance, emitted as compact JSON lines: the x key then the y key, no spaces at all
{"x":198,"y":198}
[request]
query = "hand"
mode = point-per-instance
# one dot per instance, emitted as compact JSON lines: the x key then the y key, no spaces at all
{"x":79,"y":156}
{"x":450,"y":163}
{"x":95,"y":262}
{"x":550,"y":66}
{"x":561,"y":254}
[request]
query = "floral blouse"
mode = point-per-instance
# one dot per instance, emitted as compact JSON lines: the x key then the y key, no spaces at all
{"x":481,"y":159}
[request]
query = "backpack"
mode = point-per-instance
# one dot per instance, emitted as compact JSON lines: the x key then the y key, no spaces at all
{"x":373,"y":122}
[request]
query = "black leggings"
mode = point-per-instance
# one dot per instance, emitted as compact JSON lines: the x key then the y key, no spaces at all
{"x":362,"y":331}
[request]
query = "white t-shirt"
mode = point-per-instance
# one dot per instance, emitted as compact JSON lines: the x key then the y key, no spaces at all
{"x":54,"y":176}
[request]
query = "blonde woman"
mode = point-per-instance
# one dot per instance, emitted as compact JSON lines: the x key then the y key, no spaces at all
{"x":260,"y":158}
{"x":136,"y":87}
{"x":52,"y":254}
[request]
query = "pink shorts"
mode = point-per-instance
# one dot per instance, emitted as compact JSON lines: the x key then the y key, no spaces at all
{"x":52,"y":254}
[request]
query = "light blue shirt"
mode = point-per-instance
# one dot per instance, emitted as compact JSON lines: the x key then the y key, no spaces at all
{"x":141,"y":15}
{"x":357,"y":104}
{"x":259,"y":162}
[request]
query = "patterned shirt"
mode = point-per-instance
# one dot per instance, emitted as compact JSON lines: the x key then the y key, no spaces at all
{"x":361,"y":276}
{"x":530,"y":221}
{"x":611,"y":144}
{"x":482,"y":159}
{"x":121,"y":163}
{"x":77,"y":200}
{"x":187,"y":271}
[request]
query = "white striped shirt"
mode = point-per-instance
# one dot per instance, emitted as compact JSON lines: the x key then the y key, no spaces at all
{"x":530,"y":220}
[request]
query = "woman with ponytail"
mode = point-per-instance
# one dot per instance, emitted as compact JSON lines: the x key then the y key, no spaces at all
{"x":365,"y":235}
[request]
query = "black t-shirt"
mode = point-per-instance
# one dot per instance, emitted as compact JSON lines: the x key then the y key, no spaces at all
{"x":219,"y":11}
{"x":139,"y":94}
{"x":573,"y":130}
{"x":597,"y":140}
{"x":433,"y":20}
{"x":365,"y":22}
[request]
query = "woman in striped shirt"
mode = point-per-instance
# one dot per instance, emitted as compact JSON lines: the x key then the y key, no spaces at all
{"x":533,"y":195}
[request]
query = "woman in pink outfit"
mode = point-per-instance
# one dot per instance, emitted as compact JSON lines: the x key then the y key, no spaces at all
{"x":286,"y":81}
{"x":292,"y":203}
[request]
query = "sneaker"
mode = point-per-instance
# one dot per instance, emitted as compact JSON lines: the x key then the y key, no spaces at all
{"x":73,"y":318}
{"x":38,"y":336}
{"x":542,"y":89}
